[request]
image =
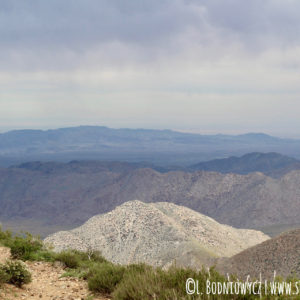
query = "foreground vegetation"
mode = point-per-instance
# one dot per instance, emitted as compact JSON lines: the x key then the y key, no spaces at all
{"x":132,"y":282}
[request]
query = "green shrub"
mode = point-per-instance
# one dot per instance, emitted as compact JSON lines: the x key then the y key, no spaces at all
{"x":42,"y":255}
{"x":26,"y":247}
{"x":96,"y":256}
{"x":23,"y":248}
{"x":4,"y":277}
{"x":5,"y":237}
{"x":144,"y":282}
{"x":138,"y":268}
{"x":104,"y":277}
{"x":138,"y":285}
{"x":74,"y":259}
{"x":16,"y":272}
{"x":70,"y":259}
{"x":93,"y":256}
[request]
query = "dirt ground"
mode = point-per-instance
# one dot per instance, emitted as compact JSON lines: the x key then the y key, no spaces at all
{"x":46,"y":284}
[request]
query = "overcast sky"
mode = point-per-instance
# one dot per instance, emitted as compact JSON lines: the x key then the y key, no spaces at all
{"x":210,"y":66}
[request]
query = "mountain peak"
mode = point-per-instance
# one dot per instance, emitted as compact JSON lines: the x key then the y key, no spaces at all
{"x":157,"y":234}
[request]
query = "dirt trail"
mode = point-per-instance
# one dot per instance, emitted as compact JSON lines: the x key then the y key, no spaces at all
{"x":46,"y":284}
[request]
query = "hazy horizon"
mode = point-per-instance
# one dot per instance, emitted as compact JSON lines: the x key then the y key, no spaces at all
{"x":193,"y":131}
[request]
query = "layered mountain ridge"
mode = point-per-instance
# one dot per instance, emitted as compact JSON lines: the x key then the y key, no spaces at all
{"x":271,"y":164}
{"x":66,"y":195}
{"x":162,"y":147}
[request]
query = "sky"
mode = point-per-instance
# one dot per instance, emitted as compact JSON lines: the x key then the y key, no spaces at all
{"x":206,"y":66}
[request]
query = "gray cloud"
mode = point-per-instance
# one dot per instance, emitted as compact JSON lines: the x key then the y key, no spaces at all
{"x":260,"y":23}
{"x":31,"y":28}
{"x":60,"y":34}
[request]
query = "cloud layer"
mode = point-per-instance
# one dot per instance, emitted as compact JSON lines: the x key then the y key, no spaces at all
{"x":101,"y":55}
{"x":63,"y":34}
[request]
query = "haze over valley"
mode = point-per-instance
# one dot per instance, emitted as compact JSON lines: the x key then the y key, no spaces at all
{"x":160,"y":147}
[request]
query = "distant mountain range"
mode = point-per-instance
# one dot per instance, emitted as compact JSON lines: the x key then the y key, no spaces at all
{"x":271,"y":164}
{"x":47,"y":197}
{"x":161,"y":147}
{"x":158,"y":234}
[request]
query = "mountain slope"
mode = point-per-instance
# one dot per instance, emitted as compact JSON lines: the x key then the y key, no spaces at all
{"x":272,"y":164}
{"x":280,"y":254}
{"x":157,"y":234}
{"x":67,"y":195}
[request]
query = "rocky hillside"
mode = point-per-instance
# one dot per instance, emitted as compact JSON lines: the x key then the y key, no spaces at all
{"x":280,"y":254}
{"x":158,"y":234}
{"x":45,"y":198}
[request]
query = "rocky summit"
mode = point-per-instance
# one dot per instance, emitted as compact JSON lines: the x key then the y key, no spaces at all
{"x":158,"y":234}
